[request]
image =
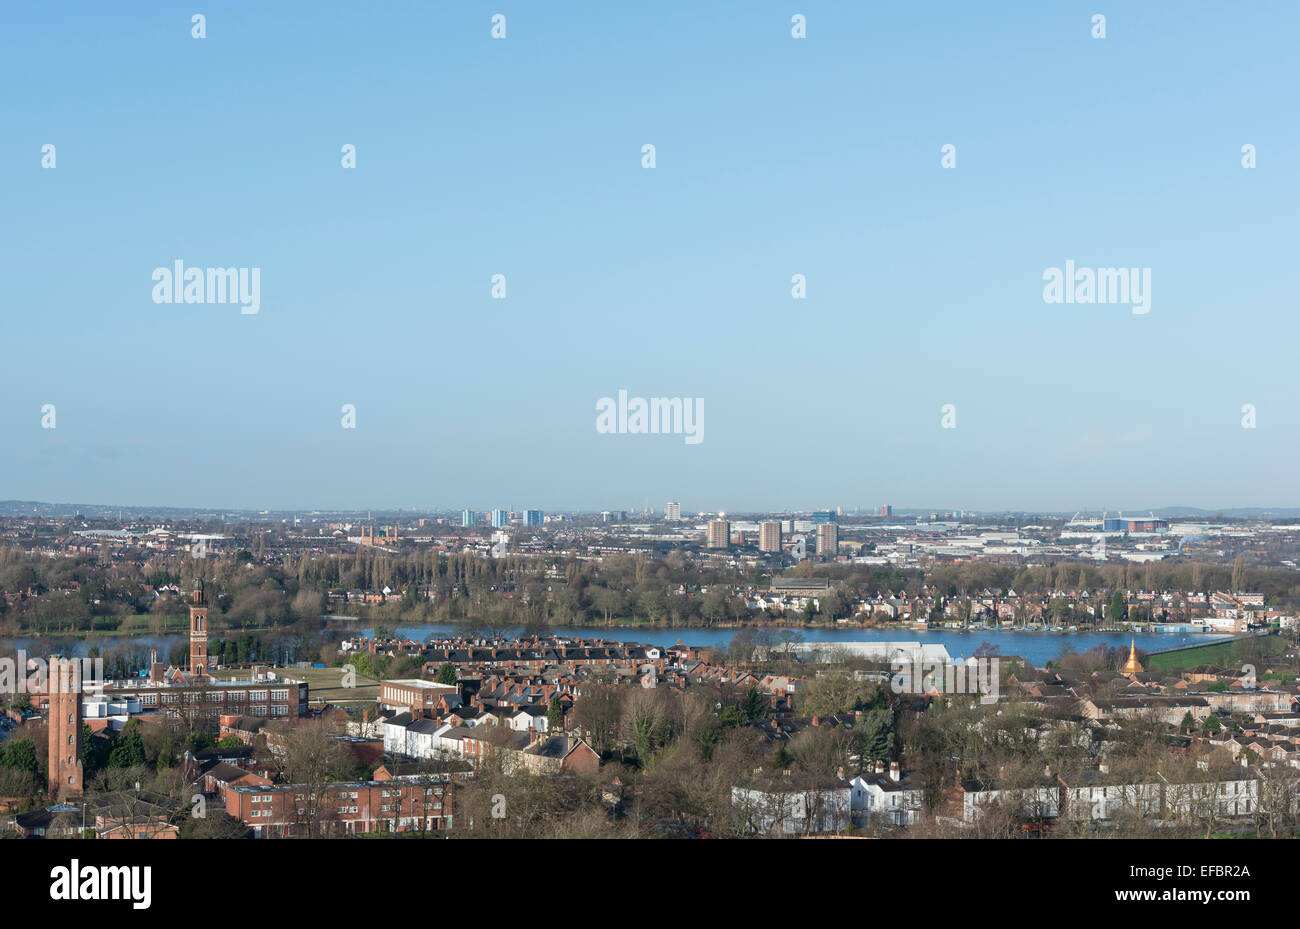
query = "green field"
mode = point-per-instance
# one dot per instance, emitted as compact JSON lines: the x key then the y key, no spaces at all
{"x":325,"y":685}
{"x":1230,"y":654}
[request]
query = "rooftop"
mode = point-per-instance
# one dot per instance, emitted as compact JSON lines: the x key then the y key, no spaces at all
{"x":421,"y":684}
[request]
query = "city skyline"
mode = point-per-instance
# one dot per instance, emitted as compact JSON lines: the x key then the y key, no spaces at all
{"x":522,"y":515}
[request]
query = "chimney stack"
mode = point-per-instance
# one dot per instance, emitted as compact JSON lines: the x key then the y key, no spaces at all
{"x":893,"y":771}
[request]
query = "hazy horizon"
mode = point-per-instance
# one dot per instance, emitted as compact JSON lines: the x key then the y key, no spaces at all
{"x":658,"y":507}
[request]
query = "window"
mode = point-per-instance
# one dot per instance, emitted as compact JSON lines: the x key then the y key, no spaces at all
{"x":279,"y":696}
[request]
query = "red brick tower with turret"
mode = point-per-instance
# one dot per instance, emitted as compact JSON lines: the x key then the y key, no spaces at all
{"x":64,"y":683}
{"x":198,"y":631}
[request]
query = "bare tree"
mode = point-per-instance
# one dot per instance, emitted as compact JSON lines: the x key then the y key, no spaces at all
{"x":310,"y":761}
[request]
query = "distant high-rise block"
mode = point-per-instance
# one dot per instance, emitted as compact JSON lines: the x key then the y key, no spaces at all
{"x":534,"y":517}
{"x":823,"y":516}
{"x":500,"y":519}
{"x":673,"y":510}
{"x":769,"y":537}
{"x":828,"y":539}
{"x":469,"y":519}
{"x":886,"y":510}
{"x":719,"y":533}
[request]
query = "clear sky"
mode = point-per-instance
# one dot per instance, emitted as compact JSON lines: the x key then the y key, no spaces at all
{"x":775,"y":156}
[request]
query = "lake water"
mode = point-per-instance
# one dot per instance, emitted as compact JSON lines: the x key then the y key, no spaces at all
{"x":1037,"y":647}
{"x":79,"y":648}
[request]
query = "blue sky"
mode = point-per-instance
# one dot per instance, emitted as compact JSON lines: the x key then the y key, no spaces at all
{"x":775,"y":156}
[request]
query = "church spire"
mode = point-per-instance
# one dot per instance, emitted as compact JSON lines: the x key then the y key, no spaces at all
{"x":1132,"y":666}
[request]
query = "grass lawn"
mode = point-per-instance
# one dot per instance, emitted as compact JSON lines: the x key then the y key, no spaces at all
{"x":1225,"y":654}
{"x":325,"y":685}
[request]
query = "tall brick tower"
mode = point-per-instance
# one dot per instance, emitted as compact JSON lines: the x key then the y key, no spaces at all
{"x":65,"y":728}
{"x":198,"y":631}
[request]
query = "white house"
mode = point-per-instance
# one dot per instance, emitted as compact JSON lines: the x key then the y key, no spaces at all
{"x":786,"y":805}
{"x":892,"y":799}
{"x":1040,"y":802}
{"x":1096,"y":795}
{"x":530,"y":717}
{"x":418,"y":738}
